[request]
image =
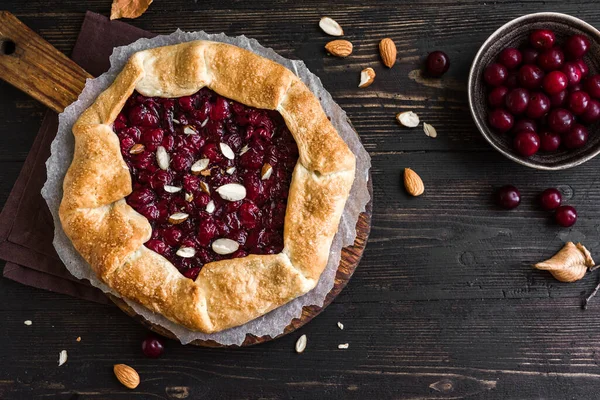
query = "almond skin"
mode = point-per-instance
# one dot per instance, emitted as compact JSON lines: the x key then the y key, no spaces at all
{"x":387,"y":49}
{"x":339,"y":48}
{"x":413,"y":183}
{"x":127,"y":375}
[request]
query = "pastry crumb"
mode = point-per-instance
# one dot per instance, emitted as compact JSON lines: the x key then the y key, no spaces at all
{"x":28,"y":322}
{"x":62,"y":357}
{"x":343,"y":346}
{"x":78,"y":338}
{"x":340,"y":325}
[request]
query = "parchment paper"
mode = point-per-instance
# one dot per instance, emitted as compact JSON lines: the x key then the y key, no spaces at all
{"x":275,"y":322}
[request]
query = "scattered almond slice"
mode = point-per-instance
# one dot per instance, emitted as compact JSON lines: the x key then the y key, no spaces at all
{"x":343,"y":346}
{"x":210,"y":207}
{"x":429,"y":130}
{"x":367,"y":76}
{"x":408,"y":119}
{"x":244,"y":149}
{"x":204,"y":187}
{"x":340,"y":325}
{"x":266,"y":171}
{"x":137,"y":148}
{"x":190,"y":130}
{"x":301,"y":344}
{"x":226,"y":150}
{"x":225,"y":246}
{"x":128,"y":8}
{"x":186,"y":252}
{"x":189,"y":197}
{"x":232,"y":192}
{"x":171,"y":189}
{"x":206,"y":172}
{"x":200,"y":166}
{"x":178,"y":218}
{"x":62,"y":357}
{"x":176,"y":121}
{"x":230,"y":170}
{"x":203,"y":124}
{"x":162,"y":158}
{"x":78,"y":338}
{"x":330,"y":27}
{"x":28,"y":322}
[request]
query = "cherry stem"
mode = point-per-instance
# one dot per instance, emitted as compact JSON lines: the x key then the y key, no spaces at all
{"x":594,"y":292}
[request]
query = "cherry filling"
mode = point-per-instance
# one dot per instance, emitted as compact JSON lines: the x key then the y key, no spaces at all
{"x":211,"y":175}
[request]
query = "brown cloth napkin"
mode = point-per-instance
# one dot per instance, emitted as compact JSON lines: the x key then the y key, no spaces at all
{"x":26,"y":227}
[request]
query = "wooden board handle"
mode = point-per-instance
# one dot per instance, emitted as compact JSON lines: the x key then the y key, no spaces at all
{"x":36,"y":67}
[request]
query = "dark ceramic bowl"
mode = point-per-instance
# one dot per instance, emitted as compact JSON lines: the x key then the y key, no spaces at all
{"x":515,"y":34}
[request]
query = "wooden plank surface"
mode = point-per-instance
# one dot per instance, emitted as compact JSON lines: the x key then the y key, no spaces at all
{"x":444,"y":304}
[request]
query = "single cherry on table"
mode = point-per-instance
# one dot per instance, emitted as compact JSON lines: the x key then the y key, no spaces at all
{"x":508,"y":197}
{"x":550,"y":199}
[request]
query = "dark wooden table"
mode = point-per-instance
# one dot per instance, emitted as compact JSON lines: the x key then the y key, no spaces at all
{"x":445,"y":303}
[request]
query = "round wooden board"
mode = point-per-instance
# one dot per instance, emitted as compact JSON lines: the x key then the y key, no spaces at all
{"x":350,"y":258}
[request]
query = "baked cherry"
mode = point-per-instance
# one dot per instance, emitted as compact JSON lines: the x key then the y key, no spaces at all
{"x":551,"y":59}
{"x":510,"y":57}
{"x":530,"y":76}
{"x":560,"y":120}
{"x":592,"y":86}
{"x":576,"y":137}
{"x":549,"y":141}
{"x":517,"y":101}
{"x":497,"y":96}
{"x":542,"y":38}
{"x":495,"y":74}
{"x":538,"y":106}
{"x":526,"y":143}
{"x":555,"y":82}
{"x":578,"y":102}
{"x":530,"y":55}
{"x":437,"y":63}
{"x":153,"y":346}
{"x":501,"y":120}
{"x":576,"y":46}
{"x":565,"y":216}
{"x":508,"y":197}
{"x":592,"y":112}
{"x":550,"y":199}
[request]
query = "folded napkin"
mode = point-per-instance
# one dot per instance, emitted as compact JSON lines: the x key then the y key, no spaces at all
{"x":26,"y":227}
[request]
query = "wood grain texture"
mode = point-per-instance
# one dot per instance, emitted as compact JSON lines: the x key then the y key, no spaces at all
{"x":445,"y":303}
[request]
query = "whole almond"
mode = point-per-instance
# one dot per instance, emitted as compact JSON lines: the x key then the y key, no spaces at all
{"x":387,"y":49}
{"x":339,"y":48}
{"x":127,"y":375}
{"x":413,"y":183}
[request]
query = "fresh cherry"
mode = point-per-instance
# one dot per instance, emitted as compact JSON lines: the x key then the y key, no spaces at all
{"x":573,"y":72}
{"x":551,"y":59}
{"x":437,"y":63}
{"x":530,"y":55}
{"x":592,"y":86}
{"x":152,"y":346}
{"x":583,"y":67}
{"x":530,"y":76}
{"x":501,"y":120}
{"x":510,"y":57}
{"x":549,"y":141}
{"x":565,"y":216}
{"x":578,"y":102}
{"x":508,"y":197}
{"x":560,"y":120}
{"x":542,"y":38}
{"x":495,"y":74}
{"x":517,"y":101}
{"x":592,"y":112}
{"x":550,"y":199}
{"x":512,"y":81}
{"x":525,"y":124}
{"x":558,"y":99}
{"x":526,"y":143}
{"x":539,"y":105}
{"x":497,"y":96}
{"x":555,"y":82}
{"x":576,"y":46}
{"x":576,"y":137}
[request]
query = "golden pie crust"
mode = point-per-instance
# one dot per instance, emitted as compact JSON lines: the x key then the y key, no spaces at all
{"x":110,"y":235}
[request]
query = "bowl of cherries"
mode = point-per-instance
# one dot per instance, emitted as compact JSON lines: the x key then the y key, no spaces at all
{"x":534,"y":91}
